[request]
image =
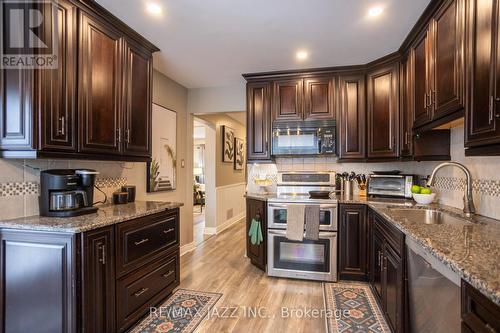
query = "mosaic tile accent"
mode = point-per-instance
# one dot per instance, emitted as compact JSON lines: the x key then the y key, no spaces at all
{"x":111,"y":182}
{"x":481,"y":186}
{"x":10,"y":189}
{"x":18,"y":188}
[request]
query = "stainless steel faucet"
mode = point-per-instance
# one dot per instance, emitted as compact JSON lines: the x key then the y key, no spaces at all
{"x":469,"y":208}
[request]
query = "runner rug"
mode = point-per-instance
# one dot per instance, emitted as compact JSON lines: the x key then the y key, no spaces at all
{"x":352,"y":308}
{"x":181,"y":313}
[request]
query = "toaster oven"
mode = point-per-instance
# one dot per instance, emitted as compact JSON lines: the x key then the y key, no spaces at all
{"x":398,"y":186}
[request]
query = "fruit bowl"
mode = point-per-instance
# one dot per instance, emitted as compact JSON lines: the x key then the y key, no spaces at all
{"x":424,"y":199}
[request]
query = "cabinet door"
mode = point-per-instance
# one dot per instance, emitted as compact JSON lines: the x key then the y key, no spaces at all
{"x":256,"y":209}
{"x":383,"y":112}
{"x":258,"y":121}
{"x":100,"y":87}
{"x":392,"y":288}
{"x":406,"y":108}
{"x":37,"y":277}
{"x":421,"y":88}
{"x":448,"y":49}
{"x":137,"y":92}
{"x":58,"y":86}
{"x":98,"y":284}
{"x":287,"y":100}
{"x":353,"y":239}
{"x":352,"y":115}
{"x":318,"y":98}
{"x":377,"y":253}
{"x":482,"y":118}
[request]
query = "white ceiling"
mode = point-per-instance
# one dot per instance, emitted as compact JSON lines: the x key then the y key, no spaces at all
{"x":211,"y":43}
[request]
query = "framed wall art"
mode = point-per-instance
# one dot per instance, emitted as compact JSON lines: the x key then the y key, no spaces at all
{"x":227,"y":144}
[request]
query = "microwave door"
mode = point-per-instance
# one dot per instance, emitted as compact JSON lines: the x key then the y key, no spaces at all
{"x":295,"y":143}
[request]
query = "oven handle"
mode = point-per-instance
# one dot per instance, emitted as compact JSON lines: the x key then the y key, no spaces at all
{"x":322,"y":234}
{"x":321,"y":206}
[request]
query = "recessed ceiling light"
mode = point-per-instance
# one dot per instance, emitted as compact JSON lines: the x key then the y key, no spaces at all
{"x":375,"y":11}
{"x":302,"y":55}
{"x":154,"y":8}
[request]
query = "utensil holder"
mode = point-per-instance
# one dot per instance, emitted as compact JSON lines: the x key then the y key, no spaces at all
{"x":348,"y":188}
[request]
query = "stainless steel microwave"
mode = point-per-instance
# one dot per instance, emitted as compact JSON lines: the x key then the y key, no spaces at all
{"x":391,"y":185}
{"x":304,"y":138}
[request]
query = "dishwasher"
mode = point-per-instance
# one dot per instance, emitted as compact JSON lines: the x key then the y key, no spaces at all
{"x":434,"y":293}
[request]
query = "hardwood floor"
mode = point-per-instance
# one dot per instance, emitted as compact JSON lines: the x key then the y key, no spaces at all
{"x":219,"y":265}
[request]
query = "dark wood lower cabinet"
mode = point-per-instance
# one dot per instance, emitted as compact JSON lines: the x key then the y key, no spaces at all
{"x":256,"y":209}
{"x":479,"y":314}
{"x":98,"y":277}
{"x":387,"y":271}
{"x":353,"y":241}
{"x":62,"y":282}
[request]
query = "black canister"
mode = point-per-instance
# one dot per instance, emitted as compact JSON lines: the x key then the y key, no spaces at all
{"x":130,"y":189}
{"x":120,"y":198}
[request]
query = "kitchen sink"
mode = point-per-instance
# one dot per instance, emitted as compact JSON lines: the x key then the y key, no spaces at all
{"x":428,"y":216}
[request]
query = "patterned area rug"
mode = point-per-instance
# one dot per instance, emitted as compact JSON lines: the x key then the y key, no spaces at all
{"x":353,"y":308}
{"x":181,"y":313}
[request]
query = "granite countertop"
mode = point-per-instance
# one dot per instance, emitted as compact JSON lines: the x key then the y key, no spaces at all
{"x":106,"y":215}
{"x":471,"y":250}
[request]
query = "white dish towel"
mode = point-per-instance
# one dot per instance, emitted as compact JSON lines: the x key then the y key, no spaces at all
{"x":295,"y":222}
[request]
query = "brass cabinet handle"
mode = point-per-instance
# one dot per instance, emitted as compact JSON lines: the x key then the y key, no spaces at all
{"x":425,"y":100}
{"x":166,"y":276}
{"x":119,"y":134}
{"x":141,"y":241}
{"x":140,"y":292}
{"x":102,"y":260}
{"x":168,"y":231}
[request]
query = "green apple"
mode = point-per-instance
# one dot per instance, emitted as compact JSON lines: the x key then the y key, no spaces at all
{"x":415,"y":189}
{"x":425,"y":190}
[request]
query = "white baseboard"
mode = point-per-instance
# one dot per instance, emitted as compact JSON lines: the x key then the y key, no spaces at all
{"x":187,"y":248}
{"x":225,"y":225}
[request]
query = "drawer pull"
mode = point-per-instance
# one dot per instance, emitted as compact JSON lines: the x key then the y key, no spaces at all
{"x":140,"y":292}
{"x":141,"y":241}
{"x":168,"y":231}
{"x":166,"y":276}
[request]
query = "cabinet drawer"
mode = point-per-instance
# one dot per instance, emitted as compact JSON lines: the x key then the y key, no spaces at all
{"x":142,"y":240}
{"x":138,"y":291}
{"x":393,"y":236}
{"x":479,"y":313}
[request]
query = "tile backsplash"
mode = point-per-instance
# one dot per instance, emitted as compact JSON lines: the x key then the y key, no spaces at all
{"x":19,"y":182}
{"x":450,"y":182}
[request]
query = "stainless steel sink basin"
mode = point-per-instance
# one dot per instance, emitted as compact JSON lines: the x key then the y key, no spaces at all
{"x":428,"y":216}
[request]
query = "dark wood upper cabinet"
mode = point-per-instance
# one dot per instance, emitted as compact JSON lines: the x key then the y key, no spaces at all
{"x":482,"y":121}
{"x":95,"y":104}
{"x":405,"y":108}
{"x":99,"y":281}
{"x":58,"y":86}
{"x":352,"y":117}
{"x":100,"y":87}
{"x":258,"y":121}
{"x":256,"y":209}
{"x":353,"y":243}
{"x":287,"y":100}
{"x":420,"y":59}
{"x":448,"y":58}
{"x":437,"y":57}
{"x":383,"y":112}
{"x":137,"y":109}
{"x":319,"y":98}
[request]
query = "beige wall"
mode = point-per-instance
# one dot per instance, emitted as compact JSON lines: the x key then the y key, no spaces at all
{"x":225,"y":173}
{"x":166,"y":93}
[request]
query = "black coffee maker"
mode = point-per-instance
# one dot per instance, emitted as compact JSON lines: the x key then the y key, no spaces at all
{"x":67,"y":192}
